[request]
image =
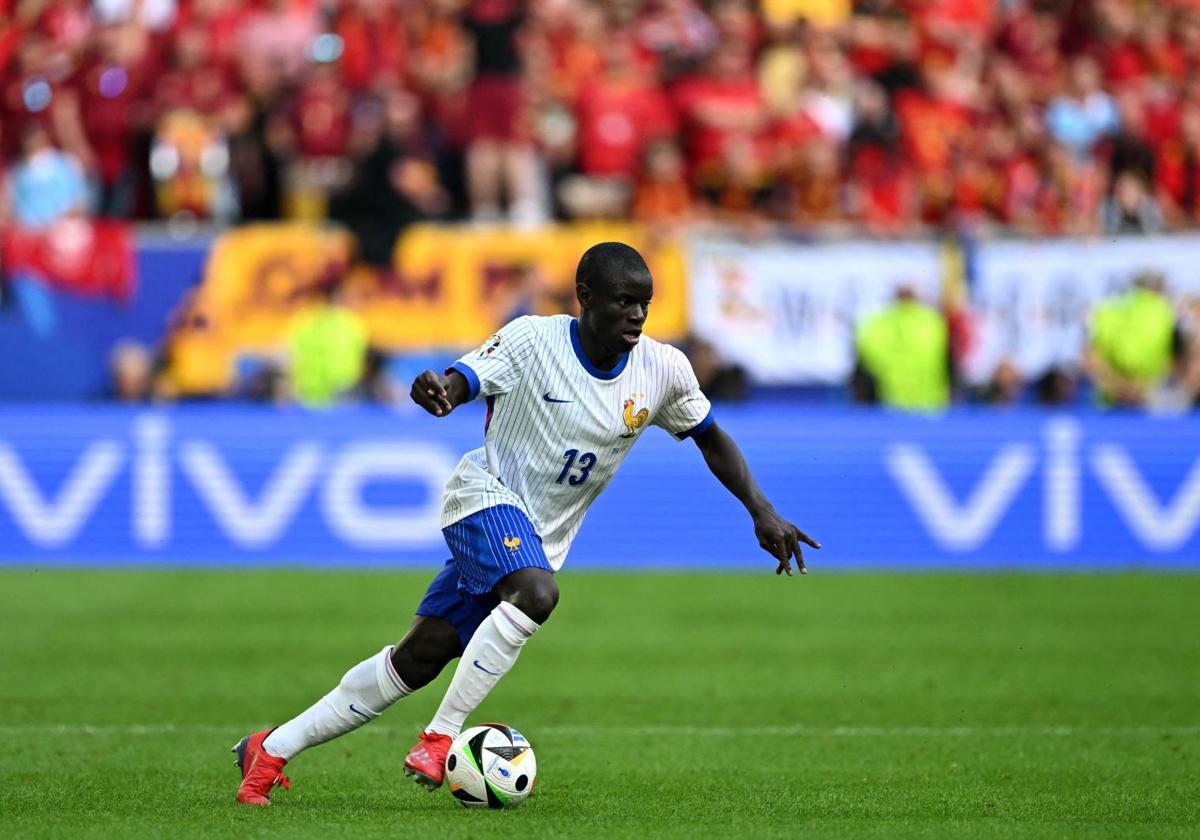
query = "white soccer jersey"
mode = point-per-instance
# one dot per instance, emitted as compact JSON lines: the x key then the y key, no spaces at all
{"x":558,"y":427}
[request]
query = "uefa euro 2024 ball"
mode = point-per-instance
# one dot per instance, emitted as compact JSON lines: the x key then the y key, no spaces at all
{"x":491,"y":766}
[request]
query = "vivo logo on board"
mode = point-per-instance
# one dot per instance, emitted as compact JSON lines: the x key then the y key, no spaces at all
{"x":964,"y":527}
{"x":250,"y":521}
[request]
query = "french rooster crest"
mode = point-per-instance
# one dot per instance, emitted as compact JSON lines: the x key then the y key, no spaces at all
{"x":633,"y":422}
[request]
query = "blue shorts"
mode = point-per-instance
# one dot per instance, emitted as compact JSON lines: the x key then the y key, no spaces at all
{"x":485,"y":547}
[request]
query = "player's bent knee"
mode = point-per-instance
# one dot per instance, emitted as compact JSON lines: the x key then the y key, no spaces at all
{"x":532,"y":591}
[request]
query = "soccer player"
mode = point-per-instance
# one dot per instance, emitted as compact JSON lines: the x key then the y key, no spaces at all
{"x":566,"y":400}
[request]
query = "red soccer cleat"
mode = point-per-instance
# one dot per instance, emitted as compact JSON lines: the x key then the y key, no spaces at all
{"x":261,"y":771}
{"x":426,"y":762}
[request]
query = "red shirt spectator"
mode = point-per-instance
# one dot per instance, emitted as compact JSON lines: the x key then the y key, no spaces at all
{"x":321,"y":115}
{"x":1178,"y":170}
{"x":619,"y":113}
{"x":374,"y":43}
{"x":67,"y":24}
{"x":931,"y":128}
{"x":954,"y":17}
{"x":105,"y":103}
{"x":440,"y":60}
{"x":1031,"y":39}
{"x":722,"y":106}
{"x":568,"y":41}
{"x":222,"y":22}
{"x":196,"y":81}
{"x":882,"y":192}
{"x":28,"y":93}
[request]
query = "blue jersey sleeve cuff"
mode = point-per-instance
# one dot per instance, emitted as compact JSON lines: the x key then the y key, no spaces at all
{"x":700,"y":428}
{"x":469,"y":375}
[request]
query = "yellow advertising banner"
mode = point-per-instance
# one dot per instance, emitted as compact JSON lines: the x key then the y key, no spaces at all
{"x":450,"y":286}
{"x":454,"y":285}
{"x":258,"y":277}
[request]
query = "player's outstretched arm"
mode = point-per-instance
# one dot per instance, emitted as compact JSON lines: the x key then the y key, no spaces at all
{"x":438,"y":394}
{"x":778,"y":537}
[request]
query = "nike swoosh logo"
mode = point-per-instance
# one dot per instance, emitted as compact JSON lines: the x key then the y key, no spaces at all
{"x":485,"y":670}
{"x":546,"y":396}
{"x":357,"y":712}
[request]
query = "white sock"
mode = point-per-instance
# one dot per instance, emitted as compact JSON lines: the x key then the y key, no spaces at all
{"x":364,"y":692}
{"x":490,"y":654}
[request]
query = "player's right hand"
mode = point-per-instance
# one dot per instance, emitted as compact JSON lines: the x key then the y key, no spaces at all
{"x":429,"y":392}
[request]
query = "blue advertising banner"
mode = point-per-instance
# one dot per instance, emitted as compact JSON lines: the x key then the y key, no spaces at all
{"x":225,"y":485}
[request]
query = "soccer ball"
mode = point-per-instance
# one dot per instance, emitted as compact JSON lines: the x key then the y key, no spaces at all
{"x":491,"y":766}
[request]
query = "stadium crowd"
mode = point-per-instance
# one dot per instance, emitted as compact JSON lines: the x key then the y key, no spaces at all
{"x":890,"y":116}
{"x":878,"y":117}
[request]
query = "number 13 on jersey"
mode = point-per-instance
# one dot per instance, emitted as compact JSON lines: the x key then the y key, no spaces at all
{"x":583,"y":462}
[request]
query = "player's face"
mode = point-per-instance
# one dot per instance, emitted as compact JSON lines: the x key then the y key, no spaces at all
{"x":619,"y":311}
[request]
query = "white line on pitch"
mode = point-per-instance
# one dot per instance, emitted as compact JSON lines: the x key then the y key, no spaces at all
{"x":137,"y":729}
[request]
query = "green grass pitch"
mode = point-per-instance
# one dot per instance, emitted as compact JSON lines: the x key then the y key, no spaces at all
{"x":681,"y":705}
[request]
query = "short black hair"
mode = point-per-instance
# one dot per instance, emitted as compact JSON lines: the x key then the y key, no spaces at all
{"x":601,"y":264}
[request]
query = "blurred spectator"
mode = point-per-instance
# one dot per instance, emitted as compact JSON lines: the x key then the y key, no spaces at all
{"x":255,"y":163}
{"x":154,"y":15}
{"x":196,"y":361}
{"x":195,"y":79}
{"x":1057,"y":387}
{"x":677,"y":32}
{"x":811,"y":186}
{"x":275,"y":41}
{"x":441,"y":64}
{"x":374,"y":43}
{"x":1068,"y":198}
{"x":1178,"y":170}
{"x":1083,"y":113}
{"x":500,"y":154}
{"x":190,"y":155}
{"x":376,"y":385}
{"x":1189,"y":349}
{"x":725,"y":118}
{"x":189,"y":165}
{"x":46,"y":184}
{"x":103,"y":113}
{"x":395,"y":181}
{"x":1134,"y":342}
{"x":1006,"y":386}
{"x":620,"y":112}
{"x":328,"y":350}
{"x":131,"y":367}
{"x":1131,"y":208}
{"x":663,"y":193}
{"x":905,"y":351}
{"x":33,"y":79}
{"x":1131,"y":150}
{"x":222,"y":22}
{"x":719,"y":381}
{"x":881,"y":192}
{"x":263,"y":379}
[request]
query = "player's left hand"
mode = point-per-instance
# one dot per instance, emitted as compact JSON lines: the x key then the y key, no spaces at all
{"x":781,"y":539}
